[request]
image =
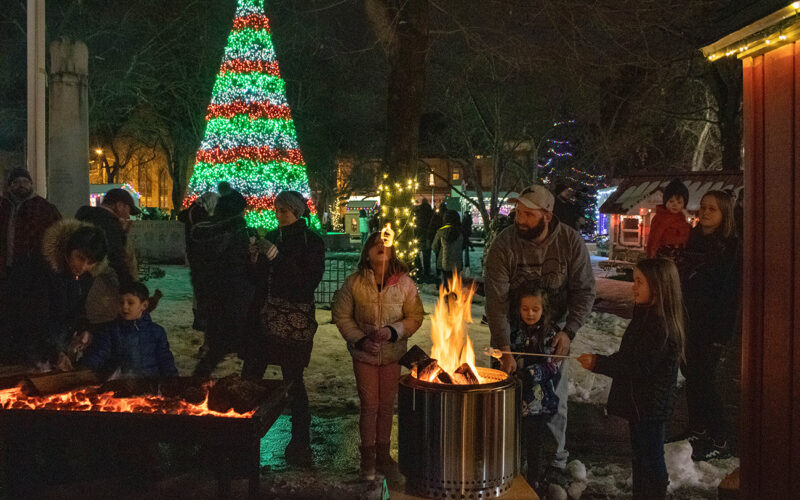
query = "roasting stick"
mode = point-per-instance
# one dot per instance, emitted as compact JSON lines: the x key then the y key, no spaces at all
{"x":497,"y":354}
{"x":387,"y":236}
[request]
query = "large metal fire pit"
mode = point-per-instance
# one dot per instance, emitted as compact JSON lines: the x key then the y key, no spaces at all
{"x":459,"y":441}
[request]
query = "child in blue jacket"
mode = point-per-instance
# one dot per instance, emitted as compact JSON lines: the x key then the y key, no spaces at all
{"x":132,"y":344}
{"x":534,"y":334}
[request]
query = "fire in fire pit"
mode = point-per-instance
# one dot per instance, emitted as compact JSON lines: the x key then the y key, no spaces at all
{"x":452,"y":358}
{"x":458,"y":423}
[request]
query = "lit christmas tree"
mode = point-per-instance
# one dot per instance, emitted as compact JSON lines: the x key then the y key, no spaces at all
{"x":250,"y":140}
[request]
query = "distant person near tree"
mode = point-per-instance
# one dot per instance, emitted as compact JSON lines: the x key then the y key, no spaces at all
{"x":565,"y":209}
{"x":363,"y":225}
{"x":424,"y":212}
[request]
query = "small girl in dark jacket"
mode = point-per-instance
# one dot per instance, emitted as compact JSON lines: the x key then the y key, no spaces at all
{"x":645,"y":371}
{"x":132,"y":344}
{"x":535,"y":335}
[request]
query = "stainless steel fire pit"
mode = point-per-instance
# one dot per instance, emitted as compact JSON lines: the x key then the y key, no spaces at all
{"x":459,"y":441}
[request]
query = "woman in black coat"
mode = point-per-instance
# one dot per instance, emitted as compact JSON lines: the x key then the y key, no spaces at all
{"x":290,"y":265}
{"x":220,"y":277}
{"x":709,"y":267}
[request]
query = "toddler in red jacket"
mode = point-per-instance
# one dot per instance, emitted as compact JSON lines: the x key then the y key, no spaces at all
{"x":669,"y":228}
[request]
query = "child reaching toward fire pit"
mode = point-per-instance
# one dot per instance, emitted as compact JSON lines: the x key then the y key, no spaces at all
{"x":133,"y":344}
{"x":377,"y":309}
{"x":534,"y":334}
{"x":645,"y":370}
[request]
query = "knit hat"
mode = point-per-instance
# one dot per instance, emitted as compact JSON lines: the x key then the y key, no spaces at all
{"x":208,"y":201}
{"x":231,"y":204}
{"x":295,"y":201}
{"x":16,"y":173}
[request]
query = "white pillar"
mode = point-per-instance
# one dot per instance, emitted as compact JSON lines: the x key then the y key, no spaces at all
{"x":68,"y":135}
{"x":37,"y":75}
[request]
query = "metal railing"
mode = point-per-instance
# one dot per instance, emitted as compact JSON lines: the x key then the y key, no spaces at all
{"x":337,"y":268}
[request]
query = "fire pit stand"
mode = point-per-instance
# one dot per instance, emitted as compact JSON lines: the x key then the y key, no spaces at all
{"x":235,"y":441}
{"x":459,"y":441}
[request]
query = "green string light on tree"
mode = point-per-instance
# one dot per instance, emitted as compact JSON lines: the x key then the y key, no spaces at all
{"x":250,"y":139}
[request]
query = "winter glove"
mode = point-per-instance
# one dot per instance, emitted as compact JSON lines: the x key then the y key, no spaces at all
{"x":267,"y":248}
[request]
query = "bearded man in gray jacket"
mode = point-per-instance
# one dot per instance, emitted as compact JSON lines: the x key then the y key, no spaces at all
{"x":539,"y":250}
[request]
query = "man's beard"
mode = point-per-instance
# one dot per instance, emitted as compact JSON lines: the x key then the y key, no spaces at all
{"x":533,"y":232}
{"x":20,"y":193}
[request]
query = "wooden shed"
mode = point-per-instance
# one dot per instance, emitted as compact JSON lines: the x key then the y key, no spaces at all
{"x":632,"y":206}
{"x":769,"y":48}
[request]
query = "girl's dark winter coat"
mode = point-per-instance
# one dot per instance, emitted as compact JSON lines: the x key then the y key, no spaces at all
{"x":645,"y":370}
{"x":137,"y":347}
{"x":709,"y":269}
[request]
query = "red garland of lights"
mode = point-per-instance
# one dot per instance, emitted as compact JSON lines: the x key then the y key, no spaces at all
{"x":253,"y":110}
{"x":244,"y":66}
{"x":254,"y":21}
{"x":263,"y":154}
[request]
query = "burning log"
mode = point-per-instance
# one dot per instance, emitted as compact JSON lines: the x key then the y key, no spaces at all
{"x":54,"y":383}
{"x":444,"y":378}
{"x":414,"y":357}
{"x":466,"y":371}
{"x":235,"y":392}
{"x":428,"y":369}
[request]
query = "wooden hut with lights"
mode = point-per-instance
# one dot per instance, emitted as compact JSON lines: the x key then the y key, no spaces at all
{"x":631,"y":208}
{"x":766,"y":38}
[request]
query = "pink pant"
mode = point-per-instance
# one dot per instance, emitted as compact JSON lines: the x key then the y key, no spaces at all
{"x":377,"y":389}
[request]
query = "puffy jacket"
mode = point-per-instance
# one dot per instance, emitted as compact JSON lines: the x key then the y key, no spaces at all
{"x":536,"y":373}
{"x":48,"y":301}
{"x":667,"y":230}
{"x":448,"y":244}
{"x":139,"y":348}
{"x":560,"y":265}
{"x":359,"y":308}
{"x":645,"y":370}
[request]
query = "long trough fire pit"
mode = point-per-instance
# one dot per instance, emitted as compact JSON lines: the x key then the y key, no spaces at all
{"x":135,"y":411}
{"x":458,"y":424}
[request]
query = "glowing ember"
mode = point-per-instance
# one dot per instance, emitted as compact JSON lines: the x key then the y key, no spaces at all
{"x":452,"y":346}
{"x":89,"y":399}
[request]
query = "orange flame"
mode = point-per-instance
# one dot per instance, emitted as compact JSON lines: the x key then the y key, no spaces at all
{"x":452,"y":346}
{"x":89,"y":399}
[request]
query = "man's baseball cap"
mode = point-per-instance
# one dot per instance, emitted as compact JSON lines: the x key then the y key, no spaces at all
{"x":535,"y":197}
{"x":120,"y":195}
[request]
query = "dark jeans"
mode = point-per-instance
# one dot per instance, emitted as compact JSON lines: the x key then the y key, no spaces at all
{"x":425,"y":256}
{"x":534,"y":435}
{"x":298,"y":397}
{"x":704,"y":403}
{"x":650,"y":478}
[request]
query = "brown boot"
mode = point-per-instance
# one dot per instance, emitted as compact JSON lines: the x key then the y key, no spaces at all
{"x":367,"y":463}
{"x":386,"y":465}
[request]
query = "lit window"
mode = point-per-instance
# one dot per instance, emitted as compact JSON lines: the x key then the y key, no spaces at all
{"x":456,"y":174}
{"x":431,"y":180}
{"x":629,"y":231}
{"x":163,"y":189}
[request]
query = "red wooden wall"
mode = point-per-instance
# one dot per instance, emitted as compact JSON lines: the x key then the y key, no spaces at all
{"x":770,"y":424}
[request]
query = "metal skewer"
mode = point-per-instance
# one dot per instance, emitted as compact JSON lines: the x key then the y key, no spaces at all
{"x":491,"y":352}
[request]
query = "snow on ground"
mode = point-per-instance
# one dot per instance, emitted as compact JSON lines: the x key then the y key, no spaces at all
{"x":334,"y":401}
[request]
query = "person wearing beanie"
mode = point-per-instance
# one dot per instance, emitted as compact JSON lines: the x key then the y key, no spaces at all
{"x":289,"y":266}
{"x":669,"y":229}
{"x":24,"y":217}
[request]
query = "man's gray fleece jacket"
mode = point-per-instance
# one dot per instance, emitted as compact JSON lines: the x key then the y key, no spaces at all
{"x":560,"y":265}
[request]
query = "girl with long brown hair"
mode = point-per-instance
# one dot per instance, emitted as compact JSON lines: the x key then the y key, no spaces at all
{"x":645,"y":371}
